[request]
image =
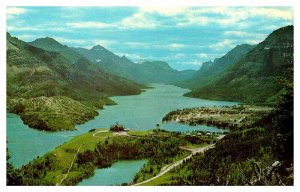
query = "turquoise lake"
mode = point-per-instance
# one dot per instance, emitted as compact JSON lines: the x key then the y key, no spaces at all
{"x":138,"y":112}
{"x":120,"y":172}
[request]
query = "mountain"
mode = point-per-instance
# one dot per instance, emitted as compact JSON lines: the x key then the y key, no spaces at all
{"x":159,"y":72}
{"x":145,"y":72}
{"x":107,"y":60}
{"x":50,"y":44}
{"x":257,"y":77}
{"x":213,"y":68}
{"x":38,"y":79}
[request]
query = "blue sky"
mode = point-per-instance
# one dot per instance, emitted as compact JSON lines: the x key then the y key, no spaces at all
{"x":182,"y":36}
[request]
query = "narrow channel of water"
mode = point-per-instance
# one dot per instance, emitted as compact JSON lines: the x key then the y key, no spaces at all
{"x":138,"y":112}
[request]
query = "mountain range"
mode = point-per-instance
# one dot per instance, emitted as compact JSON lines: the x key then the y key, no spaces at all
{"x":144,"y":72}
{"x":257,"y":76}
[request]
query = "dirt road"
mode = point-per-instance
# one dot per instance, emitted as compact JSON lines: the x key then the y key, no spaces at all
{"x":177,"y":163}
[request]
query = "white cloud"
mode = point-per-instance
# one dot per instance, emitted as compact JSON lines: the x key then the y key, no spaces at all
{"x":226,"y":21}
{"x":245,"y":12}
{"x":176,"y":46}
{"x":130,"y":56}
{"x":68,"y":41}
{"x":26,"y":37}
{"x":188,"y":21}
{"x":252,"y":41}
{"x":285,"y":14}
{"x":178,"y":56}
{"x":244,"y":34}
{"x":15,"y":11}
{"x":227,"y":16}
{"x":249,"y":38}
{"x":223,"y":44}
{"x":195,"y":62}
{"x":103,"y":42}
{"x":45,"y":27}
{"x":201,"y":55}
{"x":135,"y":44}
{"x":89,"y":24}
{"x":213,"y":10}
{"x":22,"y":28}
{"x":138,"y":21}
{"x":165,"y":11}
{"x":172,"y":46}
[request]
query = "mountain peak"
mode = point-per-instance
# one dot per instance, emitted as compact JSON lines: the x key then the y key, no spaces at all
{"x":47,"y":43}
{"x":240,"y":50}
{"x":280,"y":35}
{"x":46,"y":40}
{"x":98,"y":48}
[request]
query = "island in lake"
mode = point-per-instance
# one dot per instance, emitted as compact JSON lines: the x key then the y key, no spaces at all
{"x":162,"y":101}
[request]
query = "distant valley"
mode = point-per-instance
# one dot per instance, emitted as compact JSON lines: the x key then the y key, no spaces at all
{"x":44,"y":72}
{"x":144,"y":72}
{"x":45,"y":68}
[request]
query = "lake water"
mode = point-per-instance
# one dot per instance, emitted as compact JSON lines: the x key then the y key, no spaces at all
{"x":138,"y":112}
{"x":120,"y":172}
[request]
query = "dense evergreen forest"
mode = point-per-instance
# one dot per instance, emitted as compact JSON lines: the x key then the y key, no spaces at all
{"x":258,"y":154}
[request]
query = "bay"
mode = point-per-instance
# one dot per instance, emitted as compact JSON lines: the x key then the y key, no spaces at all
{"x":136,"y":112}
{"x":120,"y":172}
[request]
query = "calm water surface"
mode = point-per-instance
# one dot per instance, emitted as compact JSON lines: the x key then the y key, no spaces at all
{"x":120,"y":172}
{"x":139,"y":112}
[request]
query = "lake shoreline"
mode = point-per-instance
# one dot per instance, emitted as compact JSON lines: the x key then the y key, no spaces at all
{"x":146,"y":109}
{"x":77,"y":159}
{"x":225,"y":117}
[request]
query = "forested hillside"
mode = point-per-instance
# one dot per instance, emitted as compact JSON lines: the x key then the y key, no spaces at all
{"x":255,"y":78}
{"x":211,"y":69}
{"x":38,"y":79}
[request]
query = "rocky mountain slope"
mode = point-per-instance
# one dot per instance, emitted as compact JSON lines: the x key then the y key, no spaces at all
{"x":258,"y":76}
{"x":210,"y":69}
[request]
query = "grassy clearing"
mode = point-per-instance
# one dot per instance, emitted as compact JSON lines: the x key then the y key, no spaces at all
{"x":170,"y":178}
{"x":77,"y":158}
{"x":140,"y":133}
{"x":65,"y":153}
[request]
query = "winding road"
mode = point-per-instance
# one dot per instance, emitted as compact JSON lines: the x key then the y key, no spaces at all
{"x":177,"y":163}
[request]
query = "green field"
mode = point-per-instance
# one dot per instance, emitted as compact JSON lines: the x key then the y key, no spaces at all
{"x":77,"y":158}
